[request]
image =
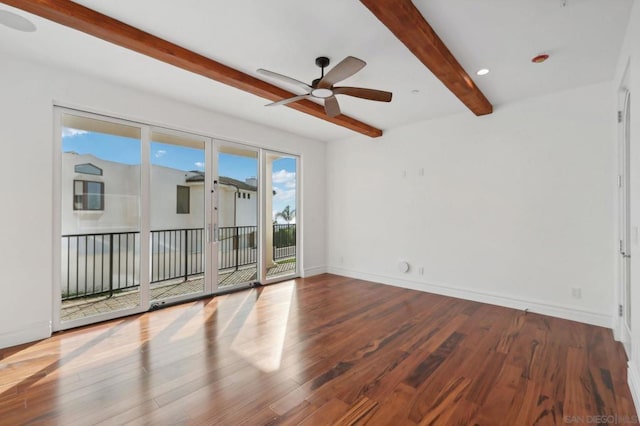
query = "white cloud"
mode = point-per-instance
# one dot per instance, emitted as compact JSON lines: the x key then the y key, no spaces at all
{"x":284,"y":195}
{"x":160,"y":153}
{"x":199,"y":164}
{"x":284,"y":177}
{"x":284,"y":183}
{"x":68,"y":132}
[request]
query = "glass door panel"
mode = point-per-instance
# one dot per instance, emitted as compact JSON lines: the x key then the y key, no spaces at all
{"x":177,"y":216}
{"x":100,"y":181}
{"x":237,"y":216}
{"x":281,"y":206}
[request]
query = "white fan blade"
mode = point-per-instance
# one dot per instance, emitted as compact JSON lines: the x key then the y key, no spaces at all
{"x":288,"y":100}
{"x":285,"y":79}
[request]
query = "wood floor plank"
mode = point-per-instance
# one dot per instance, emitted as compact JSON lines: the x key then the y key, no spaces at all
{"x":503,"y":399}
{"x":296,"y":415}
{"x":326,"y":414}
{"x":321,"y":350}
{"x":394,"y":406}
{"x":361,"y":411}
{"x":290,"y":401}
{"x":445,"y":403}
{"x":433,"y":360}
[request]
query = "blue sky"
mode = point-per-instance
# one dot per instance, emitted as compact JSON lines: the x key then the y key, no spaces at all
{"x":127,"y":151}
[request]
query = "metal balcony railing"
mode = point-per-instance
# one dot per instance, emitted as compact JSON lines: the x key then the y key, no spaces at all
{"x":103,"y":263}
{"x":284,"y":241}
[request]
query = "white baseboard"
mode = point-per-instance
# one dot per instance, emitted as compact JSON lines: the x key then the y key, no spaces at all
{"x":622,"y":334}
{"x":633,"y":380}
{"x":539,"y":307}
{"x":317,"y":270}
{"x":30,"y":333}
{"x":617,"y":330}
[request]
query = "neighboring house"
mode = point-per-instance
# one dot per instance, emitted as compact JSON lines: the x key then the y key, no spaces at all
{"x":237,"y":200}
{"x":101,"y":196}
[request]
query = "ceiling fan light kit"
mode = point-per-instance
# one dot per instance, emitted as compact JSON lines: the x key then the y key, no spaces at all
{"x":323,"y":88}
{"x":321,"y":93}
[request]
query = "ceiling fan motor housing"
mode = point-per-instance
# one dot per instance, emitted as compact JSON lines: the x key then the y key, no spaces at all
{"x":322,"y":61}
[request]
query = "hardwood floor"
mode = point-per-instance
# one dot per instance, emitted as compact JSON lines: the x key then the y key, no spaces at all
{"x":322,"y":350}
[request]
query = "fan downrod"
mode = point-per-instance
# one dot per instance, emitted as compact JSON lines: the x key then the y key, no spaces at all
{"x":322,"y":62}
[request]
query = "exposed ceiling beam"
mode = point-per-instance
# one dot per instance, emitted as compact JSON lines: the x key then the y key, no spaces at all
{"x":89,"y":21}
{"x":407,"y":23}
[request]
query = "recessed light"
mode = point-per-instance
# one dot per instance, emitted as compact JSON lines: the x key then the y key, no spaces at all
{"x":16,"y":22}
{"x":483,"y":71}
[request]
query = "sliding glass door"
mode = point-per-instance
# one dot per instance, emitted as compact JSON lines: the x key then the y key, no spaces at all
{"x":101,"y":254}
{"x":236,"y":204}
{"x":149,"y":216}
{"x":180,"y":231}
{"x":136,"y":219}
{"x":281,"y":213}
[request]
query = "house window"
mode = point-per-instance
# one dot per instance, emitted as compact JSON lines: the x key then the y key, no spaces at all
{"x":244,"y":195}
{"x":239,"y":195}
{"x":88,"y":195}
{"x":248,"y":196}
{"x":88,"y":169}
{"x":183,"y":194}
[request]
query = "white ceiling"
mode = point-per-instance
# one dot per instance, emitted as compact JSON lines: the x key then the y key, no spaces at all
{"x":583,"y":38}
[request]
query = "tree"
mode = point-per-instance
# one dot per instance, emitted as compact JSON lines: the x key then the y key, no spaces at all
{"x":287,"y":214}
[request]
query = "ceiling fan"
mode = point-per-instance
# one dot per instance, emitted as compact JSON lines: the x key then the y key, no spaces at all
{"x":323,"y":87}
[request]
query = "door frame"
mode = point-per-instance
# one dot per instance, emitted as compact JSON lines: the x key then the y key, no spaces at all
{"x":624,"y":226}
{"x":217,"y":146}
{"x":143,"y":294}
{"x":210,"y":261}
{"x":266,"y":220}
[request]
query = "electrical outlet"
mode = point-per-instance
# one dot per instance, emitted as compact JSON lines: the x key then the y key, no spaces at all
{"x":421,"y":270}
{"x":576,"y":292}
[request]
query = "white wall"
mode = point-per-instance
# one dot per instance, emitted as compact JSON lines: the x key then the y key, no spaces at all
{"x":121,"y":198}
{"x":631,"y":55}
{"x":29,"y":91}
{"x":164,"y":181}
{"x":515,"y":208}
{"x":246,"y":209}
{"x":229,"y":205}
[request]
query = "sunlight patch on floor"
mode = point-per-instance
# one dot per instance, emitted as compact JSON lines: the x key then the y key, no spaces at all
{"x":229,"y":318}
{"x":261,"y":338}
{"x":194,"y":326}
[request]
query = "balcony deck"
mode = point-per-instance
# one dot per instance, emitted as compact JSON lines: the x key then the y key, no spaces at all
{"x":94,"y":305}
